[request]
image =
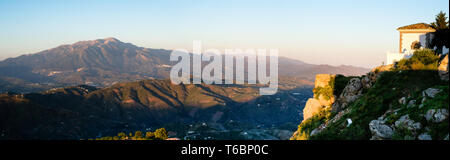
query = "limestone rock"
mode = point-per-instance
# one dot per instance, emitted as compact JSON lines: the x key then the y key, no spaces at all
{"x":424,"y":136}
{"x":411,"y":103}
{"x":443,"y":69}
{"x":402,"y":100}
{"x":436,"y":115}
{"x":314,"y":132}
{"x":406,"y":122}
{"x":379,"y":130}
{"x":430,"y":92}
{"x":312,"y":107}
{"x":366,"y":82}
{"x":351,"y":92}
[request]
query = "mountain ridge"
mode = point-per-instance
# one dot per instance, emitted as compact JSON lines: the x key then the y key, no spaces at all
{"x":104,"y":62}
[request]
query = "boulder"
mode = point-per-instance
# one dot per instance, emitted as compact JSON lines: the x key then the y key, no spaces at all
{"x":402,"y":100}
{"x":436,"y":115}
{"x":406,"y":122}
{"x":315,"y":131}
{"x":379,"y":130}
{"x":424,"y":136}
{"x":430,"y":92}
{"x":411,"y":103}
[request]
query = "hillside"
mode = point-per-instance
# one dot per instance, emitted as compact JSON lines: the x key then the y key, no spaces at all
{"x":406,"y":101}
{"x":83,"y":111}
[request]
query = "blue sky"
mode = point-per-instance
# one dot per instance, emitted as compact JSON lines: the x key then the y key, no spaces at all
{"x":320,"y":32}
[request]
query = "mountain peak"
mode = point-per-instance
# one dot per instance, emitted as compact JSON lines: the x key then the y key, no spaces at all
{"x":99,"y":41}
{"x":111,"y":39}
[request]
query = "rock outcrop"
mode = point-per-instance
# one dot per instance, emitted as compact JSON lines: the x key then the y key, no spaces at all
{"x":350,"y":93}
{"x":443,"y":68}
{"x":408,"y":111}
{"x":380,"y":130}
{"x":320,"y":101}
{"x":430,"y":92}
{"x":312,"y":107}
{"x":436,"y":115}
{"x":406,"y":122}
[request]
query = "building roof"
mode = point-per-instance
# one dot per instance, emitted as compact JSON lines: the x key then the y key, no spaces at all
{"x":421,"y":26}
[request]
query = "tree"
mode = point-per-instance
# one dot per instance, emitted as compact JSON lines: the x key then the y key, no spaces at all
{"x":138,"y":134}
{"x":122,"y":135}
{"x":440,"y":37}
{"x":161,"y":134}
{"x":441,"y":21}
{"x":149,"y":135}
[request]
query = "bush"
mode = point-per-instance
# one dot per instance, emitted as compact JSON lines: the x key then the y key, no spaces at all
{"x":149,"y":135}
{"x":326,"y":92}
{"x":305,"y":128}
{"x":138,"y":134}
{"x":161,"y":134}
{"x":423,"y":59}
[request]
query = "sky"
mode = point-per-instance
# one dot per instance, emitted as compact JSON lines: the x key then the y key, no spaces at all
{"x":344,"y":32}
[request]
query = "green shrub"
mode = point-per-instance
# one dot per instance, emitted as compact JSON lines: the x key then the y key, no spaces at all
{"x":305,"y":128}
{"x":161,"y":134}
{"x":326,"y":92}
{"x":423,"y":59}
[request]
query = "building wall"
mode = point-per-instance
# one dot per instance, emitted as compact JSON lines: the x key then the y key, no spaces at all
{"x":408,"y":38}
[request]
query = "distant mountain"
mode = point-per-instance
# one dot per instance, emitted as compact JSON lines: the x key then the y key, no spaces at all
{"x":103,"y":62}
{"x":85,"y":112}
{"x":296,"y":68}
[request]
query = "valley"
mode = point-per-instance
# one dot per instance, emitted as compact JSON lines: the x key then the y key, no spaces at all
{"x":101,"y":87}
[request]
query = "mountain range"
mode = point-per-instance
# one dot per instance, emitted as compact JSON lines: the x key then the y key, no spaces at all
{"x":104,"y":62}
{"x":101,"y":87}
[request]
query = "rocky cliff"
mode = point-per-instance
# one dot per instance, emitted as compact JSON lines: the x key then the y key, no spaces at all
{"x":389,"y":102}
{"x":323,"y":95}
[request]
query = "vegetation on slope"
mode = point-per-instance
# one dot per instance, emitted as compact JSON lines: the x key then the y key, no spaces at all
{"x":159,"y":134}
{"x":410,"y":78}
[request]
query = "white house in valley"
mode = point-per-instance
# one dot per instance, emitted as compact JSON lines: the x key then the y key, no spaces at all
{"x":412,"y":37}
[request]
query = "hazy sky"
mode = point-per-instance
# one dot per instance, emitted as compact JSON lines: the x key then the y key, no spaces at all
{"x":320,"y":32}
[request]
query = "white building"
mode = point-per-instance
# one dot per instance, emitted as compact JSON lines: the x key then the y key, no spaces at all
{"x":412,"y":37}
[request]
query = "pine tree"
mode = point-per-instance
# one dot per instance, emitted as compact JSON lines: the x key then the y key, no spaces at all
{"x":441,"y":22}
{"x":440,"y":37}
